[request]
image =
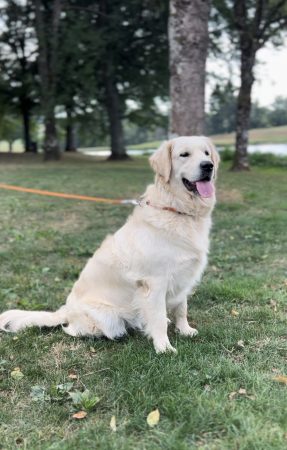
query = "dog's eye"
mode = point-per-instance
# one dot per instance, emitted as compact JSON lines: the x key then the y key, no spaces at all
{"x":184,"y":155}
{"x":206,"y":152}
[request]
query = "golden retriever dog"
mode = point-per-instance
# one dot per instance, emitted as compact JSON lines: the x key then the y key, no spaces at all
{"x":146,"y":270}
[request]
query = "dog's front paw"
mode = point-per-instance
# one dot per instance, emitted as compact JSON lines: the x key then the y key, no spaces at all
{"x":163,"y":346}
{"x":186,"y":330}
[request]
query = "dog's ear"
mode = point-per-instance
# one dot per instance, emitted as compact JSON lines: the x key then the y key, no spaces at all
{"x":214,"y":154}
{"x":160,"y":161}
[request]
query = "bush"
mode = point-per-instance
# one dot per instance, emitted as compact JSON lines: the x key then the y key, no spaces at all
{"x":256,"y":159}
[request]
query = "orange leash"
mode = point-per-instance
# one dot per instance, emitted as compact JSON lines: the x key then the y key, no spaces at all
{"x":70,"y":196}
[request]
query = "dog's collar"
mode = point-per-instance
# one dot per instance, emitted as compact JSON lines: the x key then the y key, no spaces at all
{"x":164,"y":208}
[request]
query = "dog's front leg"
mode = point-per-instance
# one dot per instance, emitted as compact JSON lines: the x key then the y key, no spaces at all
{"x":179,"y":312}
{"x":151,"y":298}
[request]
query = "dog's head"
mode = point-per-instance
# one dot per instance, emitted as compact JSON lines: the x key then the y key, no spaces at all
{"x":187,"y":163}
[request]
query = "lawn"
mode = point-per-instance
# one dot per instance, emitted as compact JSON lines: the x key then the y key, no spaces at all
{"x":219,"y":392}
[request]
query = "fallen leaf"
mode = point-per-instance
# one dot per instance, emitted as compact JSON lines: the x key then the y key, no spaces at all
{"x":79,"y":415}
{"x":242,"y":391}
{"x":113,"y":424}
{"x":232,"y":395}
{"x":251,"y":397}
{"x":234,"y":313}
{"x":273,"y":305}
{"x":240,"y":343}
{"x":17,"y":374}
{"x":153,"y":418}
{"x":281,"y":379}
{"x":92,"y":349}
{"x":72,"y":376}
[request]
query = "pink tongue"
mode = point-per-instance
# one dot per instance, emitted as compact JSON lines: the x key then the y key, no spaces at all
{"x":205,"y":188}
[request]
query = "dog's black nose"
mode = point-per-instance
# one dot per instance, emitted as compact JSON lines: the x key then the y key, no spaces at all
{"x":206,"y":166}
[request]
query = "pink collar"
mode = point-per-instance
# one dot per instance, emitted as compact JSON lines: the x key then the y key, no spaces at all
{"x":164,"y":208}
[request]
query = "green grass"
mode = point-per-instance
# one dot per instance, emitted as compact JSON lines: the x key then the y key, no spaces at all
{"x":45,"y":242}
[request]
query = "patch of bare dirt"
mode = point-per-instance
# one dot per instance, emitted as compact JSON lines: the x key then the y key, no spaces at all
{"x":229,"y":196}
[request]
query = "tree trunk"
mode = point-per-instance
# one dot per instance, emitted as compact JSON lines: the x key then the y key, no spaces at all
{"x":10,"y":145}
{"x":118,"y":151}
{"x":70,"y":145}
{"x":51,"y":146}
{"x":240,"y":161}
{"x":188,"y":43}
{"x":47,"y":27}
{"x":26,"y":126}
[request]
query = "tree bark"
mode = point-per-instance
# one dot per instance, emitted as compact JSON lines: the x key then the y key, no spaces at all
{"x":188,"y":43}
{"x":70,"y":145}
{"x":118,"y":151}
{"x":240,"y":161}
{"x":51,"y":146}
{"x":47,"y":27}
{"x":25,"y":109}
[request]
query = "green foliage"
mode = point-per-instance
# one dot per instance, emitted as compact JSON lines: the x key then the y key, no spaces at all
{"x":222,"y":115}
{"x":257,"y":159}
{"x":84,"y":400}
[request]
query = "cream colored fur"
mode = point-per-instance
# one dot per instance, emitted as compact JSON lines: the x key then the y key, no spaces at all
{"x":143,"y":272}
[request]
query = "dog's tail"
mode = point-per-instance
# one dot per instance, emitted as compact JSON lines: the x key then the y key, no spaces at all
{"x":16,"y":320}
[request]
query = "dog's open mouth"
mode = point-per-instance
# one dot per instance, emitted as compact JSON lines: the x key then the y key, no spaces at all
{"x":203,"y":187}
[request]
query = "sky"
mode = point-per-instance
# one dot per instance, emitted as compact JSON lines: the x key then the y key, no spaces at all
{"x":270,"y":74}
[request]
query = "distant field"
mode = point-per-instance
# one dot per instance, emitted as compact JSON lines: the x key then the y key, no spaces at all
{"x":275,"y":135}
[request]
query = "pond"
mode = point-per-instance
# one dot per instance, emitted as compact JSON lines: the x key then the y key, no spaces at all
{"x":275,"y":149}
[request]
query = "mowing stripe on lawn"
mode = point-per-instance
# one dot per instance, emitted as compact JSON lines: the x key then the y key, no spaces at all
{"x":115,"y":201}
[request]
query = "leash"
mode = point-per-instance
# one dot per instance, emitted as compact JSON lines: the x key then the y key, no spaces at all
{"x":69,"y":196}
{"x":111,"y":201}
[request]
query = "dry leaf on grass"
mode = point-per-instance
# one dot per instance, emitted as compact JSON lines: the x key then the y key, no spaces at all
{"x":232,"y":395}
{"x":153,"y":418}
{"x":234,"y":313}
{"x":79,"y":415}
{"x":72,"y":376}
{"x":240,"y":344}
{"x":242,"y":391}
{"x":113,"y":424}
{"x":17,"y":374}
{"x":281,"y":379}
{"x":273,"y":305}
